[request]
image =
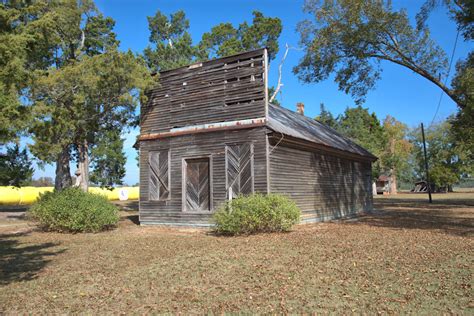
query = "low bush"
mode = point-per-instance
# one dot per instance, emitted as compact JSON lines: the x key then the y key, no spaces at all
{"x":256,"y":213}
{"x":73,"y":210}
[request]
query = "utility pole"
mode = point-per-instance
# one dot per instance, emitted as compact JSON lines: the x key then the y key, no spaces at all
{"x":426,"y":164}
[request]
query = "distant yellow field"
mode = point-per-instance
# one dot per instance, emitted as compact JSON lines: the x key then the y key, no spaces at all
{"x":28,"y":195}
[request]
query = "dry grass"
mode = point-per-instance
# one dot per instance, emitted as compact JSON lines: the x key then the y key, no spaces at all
{"x":408,"y":257}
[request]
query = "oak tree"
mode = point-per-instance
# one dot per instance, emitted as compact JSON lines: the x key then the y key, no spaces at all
{"x":350,"y":38}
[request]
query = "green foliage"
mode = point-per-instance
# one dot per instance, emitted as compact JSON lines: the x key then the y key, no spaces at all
{"x":80,"y":101}
{"x":394,"y":156}
{"x":172,"y":45}
{"x":462,"y":11}
{"x":73,"y":210}
{"x":256,"y":213}
{"x":388,"y":141}
{"x":172,"y":41}
{"x":463,"y":121}
{"x":463,"y":82}
{"x":271,"y":91}
{"x":20,"y":42}
{"x":99,"y":35}
{"x":363,"y":128}
{"x":224,"y":39}
{"x":350,"y":38}
{"x":464,"y":16}
{"x":108,"y":160}
{"x":61,"y":60}
{"x":15,"y":167}
{"x":13,"y":116}
{"x":446,"y":159}
{"x":326,"y":117}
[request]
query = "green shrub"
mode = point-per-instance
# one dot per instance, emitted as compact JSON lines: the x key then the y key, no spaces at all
{"x":256,"y":213}
{"x":73,"y":210}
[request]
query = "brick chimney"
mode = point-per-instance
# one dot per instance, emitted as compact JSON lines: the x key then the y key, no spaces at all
{"x":300,"y":108}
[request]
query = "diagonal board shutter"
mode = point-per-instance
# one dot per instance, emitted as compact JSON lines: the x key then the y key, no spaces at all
{"x":197,"y":185}
{"x":159,"y":175}
{"x":239,"y":169}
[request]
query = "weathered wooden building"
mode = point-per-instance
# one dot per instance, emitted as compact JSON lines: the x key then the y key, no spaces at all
{"x":208,"y":133}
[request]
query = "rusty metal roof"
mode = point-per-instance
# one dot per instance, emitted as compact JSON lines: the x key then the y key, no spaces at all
{"x":296,"y":125}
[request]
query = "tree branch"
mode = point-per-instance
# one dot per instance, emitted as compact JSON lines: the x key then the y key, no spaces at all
{"x":279,"y":74}
{"x":83,"y":39}
{"x":422,"y":73}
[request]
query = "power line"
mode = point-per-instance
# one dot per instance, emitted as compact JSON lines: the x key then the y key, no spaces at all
{"x":446,"y":79}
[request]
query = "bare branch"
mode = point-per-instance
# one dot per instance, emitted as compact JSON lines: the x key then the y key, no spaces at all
{"x":279,"y":73}
{"x":279,"y":85}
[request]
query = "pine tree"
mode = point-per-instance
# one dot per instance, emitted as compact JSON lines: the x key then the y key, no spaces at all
{"x":364,"y":129}
{"x":15,"y":167}
{"x":224,"y":39}
{"x":108,"y":159}
{"x":172,"y":42}
{"x":326,"y":117}
{"x":172,"y":47}
{"x":78,"y":83}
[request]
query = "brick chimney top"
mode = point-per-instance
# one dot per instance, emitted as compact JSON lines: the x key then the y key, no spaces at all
{"x":300,"y":108}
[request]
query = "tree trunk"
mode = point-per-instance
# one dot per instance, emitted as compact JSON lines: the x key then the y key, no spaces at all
{"x":63,"y":178}
{"x":393,"y":182}
{"x":411,"y":65}
{"x":83,"y":165}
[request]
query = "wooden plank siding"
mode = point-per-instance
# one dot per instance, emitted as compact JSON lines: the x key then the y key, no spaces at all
{"x":212,"y":145}
{"x":211,"y":122}
{"x":324,"y":185}
{"x":221,"y":90}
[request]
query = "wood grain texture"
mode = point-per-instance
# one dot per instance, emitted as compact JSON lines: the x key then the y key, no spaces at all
{"x":158,"y":164}
{"x":324,"y":186}
{"x":220,"y":90}
{"x":239,"y":169}
{"x":212,"y":145}
{"x":326,"y":181}
{"x":197,"y":185}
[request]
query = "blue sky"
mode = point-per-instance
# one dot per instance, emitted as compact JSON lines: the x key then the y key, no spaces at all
{"x":400,"y":93}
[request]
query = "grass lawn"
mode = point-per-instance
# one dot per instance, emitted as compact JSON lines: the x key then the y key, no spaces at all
{"x":407,"y":257}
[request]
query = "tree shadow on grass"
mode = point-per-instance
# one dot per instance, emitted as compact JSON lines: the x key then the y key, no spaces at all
{"x":134,"y":219}
{"x":451,"y":217}
{"x":127,"y":206}
{"x":13,"y":208}
{"x":23,"y":261}
{"x":423,"y":203}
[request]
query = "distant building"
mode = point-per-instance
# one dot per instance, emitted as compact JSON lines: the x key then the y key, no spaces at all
{"x":383,"y":184}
